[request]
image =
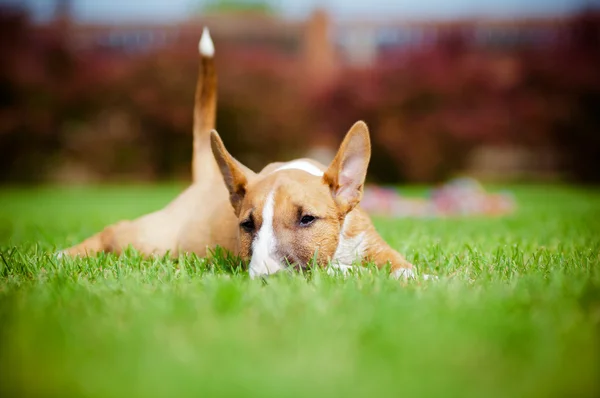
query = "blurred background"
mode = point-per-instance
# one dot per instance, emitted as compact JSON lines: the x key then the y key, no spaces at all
{"x":96,"y":91}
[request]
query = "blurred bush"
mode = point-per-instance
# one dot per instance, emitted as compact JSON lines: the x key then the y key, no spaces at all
{"x":429,"y":110}
{"x":99,"y":114}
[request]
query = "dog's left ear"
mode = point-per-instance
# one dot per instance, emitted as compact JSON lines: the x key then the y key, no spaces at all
{"x":235,"y":174}
{"x":347,"y":172}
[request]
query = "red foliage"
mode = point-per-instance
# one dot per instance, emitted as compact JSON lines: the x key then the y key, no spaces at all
{"x":119,"y":113}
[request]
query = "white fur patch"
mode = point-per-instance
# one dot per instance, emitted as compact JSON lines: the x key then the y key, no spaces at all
{"x":336,"y":268}
{"x":304,"y":166}
{"x":348,"y":250}
{"x":206,"y":46}
{"x":264,"y":246}
{"x":405,"y":273}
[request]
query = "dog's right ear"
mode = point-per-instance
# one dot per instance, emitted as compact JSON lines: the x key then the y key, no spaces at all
{"x":347,"y":172}
{"x":235,"y":174}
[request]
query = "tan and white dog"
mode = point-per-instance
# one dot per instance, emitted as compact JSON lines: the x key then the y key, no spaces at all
{"x":289,"y":214}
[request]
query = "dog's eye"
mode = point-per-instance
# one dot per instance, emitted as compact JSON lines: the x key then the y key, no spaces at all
{"x":307,"y":220}
{"x":247,"y":225}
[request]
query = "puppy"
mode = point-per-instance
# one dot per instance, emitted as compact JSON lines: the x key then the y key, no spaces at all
{"x":290,"y":214}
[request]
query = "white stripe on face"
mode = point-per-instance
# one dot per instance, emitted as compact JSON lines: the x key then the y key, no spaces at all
{"x":264,"y":247}
{"x":304,"y":166}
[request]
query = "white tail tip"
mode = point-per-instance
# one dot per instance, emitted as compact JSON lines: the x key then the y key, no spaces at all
{"x":206,"y":46}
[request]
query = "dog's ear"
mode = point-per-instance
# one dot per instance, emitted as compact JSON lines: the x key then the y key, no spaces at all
{"x":235,"y":174}
{"x":347,"y":172}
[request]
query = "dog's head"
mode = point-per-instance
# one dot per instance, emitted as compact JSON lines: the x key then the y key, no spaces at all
{"x":294,"y":214}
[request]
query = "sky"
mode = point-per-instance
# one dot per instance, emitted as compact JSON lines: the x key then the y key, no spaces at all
{"x":171,"y":10}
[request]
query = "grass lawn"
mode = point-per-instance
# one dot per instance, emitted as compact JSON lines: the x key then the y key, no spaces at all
{"x":515,"y":313}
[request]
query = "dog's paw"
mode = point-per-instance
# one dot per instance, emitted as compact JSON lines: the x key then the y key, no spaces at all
{"x":339,"y":269}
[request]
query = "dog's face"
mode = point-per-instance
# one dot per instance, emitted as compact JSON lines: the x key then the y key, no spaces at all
{"x":295,"y":213}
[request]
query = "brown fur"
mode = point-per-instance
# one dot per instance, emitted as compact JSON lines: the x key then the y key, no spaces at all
{"x":224,"y":193}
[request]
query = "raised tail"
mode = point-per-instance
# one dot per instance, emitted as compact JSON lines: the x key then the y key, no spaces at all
{"x":203,"y":163}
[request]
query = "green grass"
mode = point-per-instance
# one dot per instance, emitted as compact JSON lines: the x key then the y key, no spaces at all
{"x":515,"y":313}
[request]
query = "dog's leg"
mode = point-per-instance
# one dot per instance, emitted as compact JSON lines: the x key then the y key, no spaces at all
{"x":93,"y":244}
{"x":154,"y":233}
{"x":381,"y":254}
{"x":102,"y":241}
{"x":400,"y":268}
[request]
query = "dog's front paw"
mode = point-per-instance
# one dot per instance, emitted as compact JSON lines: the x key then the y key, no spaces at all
{"x":339,"y":269}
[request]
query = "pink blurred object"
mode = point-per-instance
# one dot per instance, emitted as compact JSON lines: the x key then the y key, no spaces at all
{"x":458,"y":197}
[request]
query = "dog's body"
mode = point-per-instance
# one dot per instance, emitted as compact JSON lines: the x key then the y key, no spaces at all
{"x":289,"y":213}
